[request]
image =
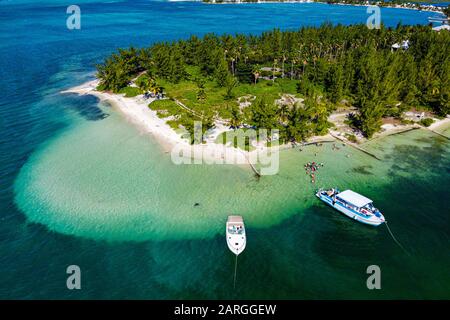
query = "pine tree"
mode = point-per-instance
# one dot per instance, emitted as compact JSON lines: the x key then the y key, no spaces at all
{"x":408,"y":91}
{"x":299,"y":126}
{"x":176,"y":65}
{"x":230,"y":84}
{"x":244,"y":72}
{"x":201,"y":93}
{"x":263,"y":115}
{"x":222,"y":73}
{"x":335,"y":82}
{"x":368,"y":92}
{"x":161,"y":57}
{"x":236,"y":116}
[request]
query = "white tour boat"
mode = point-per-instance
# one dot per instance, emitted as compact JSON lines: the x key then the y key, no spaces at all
{"x":236,"y":238}
{"x":353,"y":205}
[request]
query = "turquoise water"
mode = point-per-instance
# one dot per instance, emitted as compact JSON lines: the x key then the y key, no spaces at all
{"x":82,"y":186}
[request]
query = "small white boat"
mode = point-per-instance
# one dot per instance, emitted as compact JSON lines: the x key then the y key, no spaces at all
{"x":353,"y":205}
{"x":236,"y":239}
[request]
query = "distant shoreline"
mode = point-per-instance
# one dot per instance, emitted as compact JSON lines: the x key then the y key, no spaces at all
{"x":429,"y":7}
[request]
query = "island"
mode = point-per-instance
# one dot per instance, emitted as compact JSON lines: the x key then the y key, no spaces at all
{"x":406,"y":4}
{"x":316,"y":84}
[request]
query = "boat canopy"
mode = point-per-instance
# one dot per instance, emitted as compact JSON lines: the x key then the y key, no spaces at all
{"x":235,"y":219}
{"x":354,"y":198}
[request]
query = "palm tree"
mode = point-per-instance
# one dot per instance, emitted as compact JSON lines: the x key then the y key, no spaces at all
{"x":232,"y":66}
{"x":275,"y":61}
{"x":292,"y":68}
{"x":144,"y":83}
{"x":283,"y":113}
{"x":256,"y":72}
{"x":282,"y":66}
{"x":154,"y":87}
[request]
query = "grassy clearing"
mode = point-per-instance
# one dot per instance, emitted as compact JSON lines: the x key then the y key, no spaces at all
{"x":215,"y":102}
{"x":165,"y":108}
{"x":130,"y":91}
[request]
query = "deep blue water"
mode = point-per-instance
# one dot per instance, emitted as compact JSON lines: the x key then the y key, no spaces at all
{"x":39,"y":57}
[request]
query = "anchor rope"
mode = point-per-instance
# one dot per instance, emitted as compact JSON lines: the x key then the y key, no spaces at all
{"x":235,"y":269}
{"x":393,"y":237}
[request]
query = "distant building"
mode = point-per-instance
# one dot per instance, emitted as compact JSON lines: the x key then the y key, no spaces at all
{"x":404,"y":45}
{"x":442,"y":27}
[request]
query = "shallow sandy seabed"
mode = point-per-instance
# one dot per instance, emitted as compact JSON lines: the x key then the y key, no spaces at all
{"x":106,"y":180}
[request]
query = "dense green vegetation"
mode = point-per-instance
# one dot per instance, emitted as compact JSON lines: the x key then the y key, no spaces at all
{"x":328,"y":66}
{"x":130,"y":91}
{"x":165,"y":108}
{"x":205,"y":95}
{"x":426,"y":122}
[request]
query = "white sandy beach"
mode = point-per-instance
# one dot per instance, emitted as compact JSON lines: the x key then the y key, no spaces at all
{"x":440,"y":124}
{"x":136,"y":110}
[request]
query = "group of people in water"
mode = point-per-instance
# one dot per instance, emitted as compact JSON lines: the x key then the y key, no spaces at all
{"x":311,"y":168}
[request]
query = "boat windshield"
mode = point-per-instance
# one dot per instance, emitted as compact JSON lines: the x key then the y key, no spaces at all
{"x":369,"y":210}
{"x":235,"y":229}
{"x":370,"y":207}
